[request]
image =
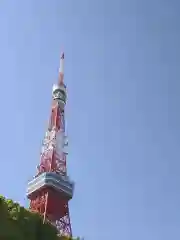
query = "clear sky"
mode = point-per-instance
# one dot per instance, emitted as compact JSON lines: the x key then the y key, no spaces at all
{"x":122,"y":71}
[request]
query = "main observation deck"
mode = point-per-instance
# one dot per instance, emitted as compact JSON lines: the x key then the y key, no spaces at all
{"x":59,"y":183}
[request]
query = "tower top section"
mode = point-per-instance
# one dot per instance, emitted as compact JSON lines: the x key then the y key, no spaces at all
{"x":59,"y":90}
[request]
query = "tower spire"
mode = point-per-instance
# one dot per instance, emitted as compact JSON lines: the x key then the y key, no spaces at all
{"x":51,"y":189}
{"x":61,"y":69}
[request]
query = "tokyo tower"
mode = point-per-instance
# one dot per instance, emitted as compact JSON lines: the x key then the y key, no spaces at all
{"x":51,"y":189}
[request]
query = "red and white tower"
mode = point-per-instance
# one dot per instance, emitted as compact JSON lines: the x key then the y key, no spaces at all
{"x":51,"y":189}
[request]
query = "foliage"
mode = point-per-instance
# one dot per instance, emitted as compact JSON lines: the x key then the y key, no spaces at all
{"x":17,"y":223}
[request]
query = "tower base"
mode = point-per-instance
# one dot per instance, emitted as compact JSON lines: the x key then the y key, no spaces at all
{"x":49,"y":194}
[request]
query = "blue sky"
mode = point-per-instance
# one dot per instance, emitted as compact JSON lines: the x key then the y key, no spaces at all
{"x":122,"y":72}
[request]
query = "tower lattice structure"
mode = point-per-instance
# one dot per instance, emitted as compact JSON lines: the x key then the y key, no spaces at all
{"x":51,"y":189}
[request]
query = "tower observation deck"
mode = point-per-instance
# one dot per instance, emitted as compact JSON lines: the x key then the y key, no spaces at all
{"x":51,"y":189}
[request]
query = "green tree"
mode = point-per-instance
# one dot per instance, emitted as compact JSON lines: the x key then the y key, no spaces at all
{"x":18,"y":223}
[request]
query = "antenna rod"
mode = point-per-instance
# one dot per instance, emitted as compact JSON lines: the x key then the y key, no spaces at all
{"x":61,"y":70}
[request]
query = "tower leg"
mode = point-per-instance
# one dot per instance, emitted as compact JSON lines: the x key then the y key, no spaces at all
{"x":64,"y":225}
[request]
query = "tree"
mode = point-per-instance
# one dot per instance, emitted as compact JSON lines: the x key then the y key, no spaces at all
{"x":18,"y":223}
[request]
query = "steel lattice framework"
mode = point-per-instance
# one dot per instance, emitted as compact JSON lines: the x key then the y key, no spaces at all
{"x":51,"y":203}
